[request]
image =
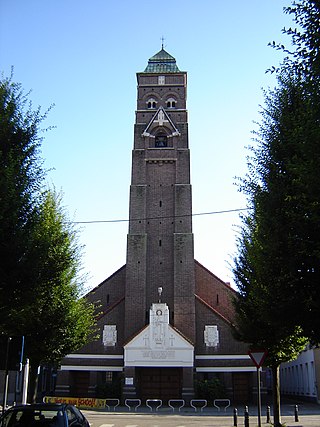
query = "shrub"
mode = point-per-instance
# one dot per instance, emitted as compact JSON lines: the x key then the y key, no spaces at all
{"x":210,"y":389}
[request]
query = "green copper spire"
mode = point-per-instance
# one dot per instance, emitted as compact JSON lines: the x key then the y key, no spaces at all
{"x":162,"y":62}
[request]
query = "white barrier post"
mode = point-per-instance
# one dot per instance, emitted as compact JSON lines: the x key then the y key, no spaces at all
{"x":25,"y":382}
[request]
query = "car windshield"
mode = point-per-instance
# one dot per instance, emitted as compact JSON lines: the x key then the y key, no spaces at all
{"x":32,"y":417}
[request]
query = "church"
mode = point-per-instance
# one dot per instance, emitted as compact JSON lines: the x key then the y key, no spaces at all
{"x":166,"y":320}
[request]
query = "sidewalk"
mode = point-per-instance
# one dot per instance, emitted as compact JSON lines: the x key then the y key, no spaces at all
{"x":308,"y":415}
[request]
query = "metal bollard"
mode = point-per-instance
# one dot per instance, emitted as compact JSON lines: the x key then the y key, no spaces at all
{"x":235,"y":417}
{"x":268,"y":415}
{"x":296,"y":413}
{"x":246,"y":417}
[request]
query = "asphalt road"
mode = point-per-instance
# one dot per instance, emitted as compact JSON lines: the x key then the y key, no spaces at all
{"x":310,"y":418}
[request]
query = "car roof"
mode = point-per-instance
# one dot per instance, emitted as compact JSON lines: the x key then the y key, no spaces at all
{"x":39,"y":406}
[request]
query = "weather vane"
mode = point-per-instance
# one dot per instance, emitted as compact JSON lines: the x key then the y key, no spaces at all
{"x":162,"y":42}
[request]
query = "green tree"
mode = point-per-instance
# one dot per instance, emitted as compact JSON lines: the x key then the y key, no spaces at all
{"x":261,"y":306}
{"x":304,"y":57}
{"x":59,"y":321}
{"x":303,"y":129}
{"x":40,"y":282}
{"x":21,"y":179}
{"x":277,"y":266}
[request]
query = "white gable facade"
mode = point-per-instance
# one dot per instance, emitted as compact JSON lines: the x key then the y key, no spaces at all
{"x":159,"y":344}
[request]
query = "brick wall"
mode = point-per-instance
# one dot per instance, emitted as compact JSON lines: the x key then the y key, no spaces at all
{"x":214,"y":291}
{"x":227,"y":344}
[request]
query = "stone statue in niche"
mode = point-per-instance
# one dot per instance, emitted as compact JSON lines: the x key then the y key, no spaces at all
{"x":159,"y":320}
{"x":161,"y":118}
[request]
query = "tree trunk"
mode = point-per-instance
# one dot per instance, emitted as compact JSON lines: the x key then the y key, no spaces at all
{"x":276,"y":395}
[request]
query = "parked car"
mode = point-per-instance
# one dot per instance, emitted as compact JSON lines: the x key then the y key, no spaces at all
{"x":43,"y":415}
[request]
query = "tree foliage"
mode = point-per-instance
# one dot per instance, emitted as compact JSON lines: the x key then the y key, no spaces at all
{"x":279,"y":246}
{"x":40,"y":257}
{"x":304,"y":56}
{"x":21,"y":179}
{"x":277,"y":268}
{"x":304,"y":62}
{"x":61,"y":321}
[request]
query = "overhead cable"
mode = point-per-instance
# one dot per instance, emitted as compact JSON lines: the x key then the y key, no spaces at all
{"x":159,"y":217}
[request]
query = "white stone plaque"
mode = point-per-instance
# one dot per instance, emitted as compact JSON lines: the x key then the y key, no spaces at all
{"x":211,"y":335}
{"x":109,"y":336}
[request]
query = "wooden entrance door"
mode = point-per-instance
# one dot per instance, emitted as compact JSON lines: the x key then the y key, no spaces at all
{"x":241,"y":387}
{"x":80,"y":381}
{"x":159,"y":383}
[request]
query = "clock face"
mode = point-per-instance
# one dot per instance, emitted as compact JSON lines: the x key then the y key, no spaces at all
{"x":158,"y":312}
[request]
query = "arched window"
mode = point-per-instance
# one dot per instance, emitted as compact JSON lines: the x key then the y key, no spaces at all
{"x":161,"y":140}
{"x":151,"y":103}
{"x":171,"y":103}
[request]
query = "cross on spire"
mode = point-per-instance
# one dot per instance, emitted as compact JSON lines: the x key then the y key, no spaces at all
{"x":162,"y":42}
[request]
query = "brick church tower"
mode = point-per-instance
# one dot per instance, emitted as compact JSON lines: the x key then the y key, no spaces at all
{"x":160,"y":239}
{"x":165,"y":319}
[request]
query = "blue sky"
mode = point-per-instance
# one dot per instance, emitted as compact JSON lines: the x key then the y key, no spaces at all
{"x":83,"y":57}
